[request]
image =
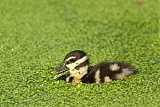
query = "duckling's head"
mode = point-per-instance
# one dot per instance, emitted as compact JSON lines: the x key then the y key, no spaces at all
{"x":76,"y":62}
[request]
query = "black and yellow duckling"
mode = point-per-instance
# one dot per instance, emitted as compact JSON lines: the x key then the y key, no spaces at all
{"x":77,"y":64}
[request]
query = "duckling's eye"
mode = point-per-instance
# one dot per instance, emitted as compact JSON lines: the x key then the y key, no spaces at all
{"x":72,"y":60}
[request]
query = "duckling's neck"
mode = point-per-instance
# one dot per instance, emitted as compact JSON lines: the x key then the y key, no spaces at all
{"x":78,"y":73}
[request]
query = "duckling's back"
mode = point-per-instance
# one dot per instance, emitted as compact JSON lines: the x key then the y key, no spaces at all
{"x":108,"y":71}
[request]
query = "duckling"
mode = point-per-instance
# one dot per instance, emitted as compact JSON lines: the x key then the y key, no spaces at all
{"x":77,"y":63}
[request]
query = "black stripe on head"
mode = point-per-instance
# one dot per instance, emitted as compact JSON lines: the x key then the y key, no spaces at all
{"x":72,"y":60}
{"x":82,"y":64}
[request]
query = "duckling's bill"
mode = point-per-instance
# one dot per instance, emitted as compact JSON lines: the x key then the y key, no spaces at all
{"x":62,"y":70}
